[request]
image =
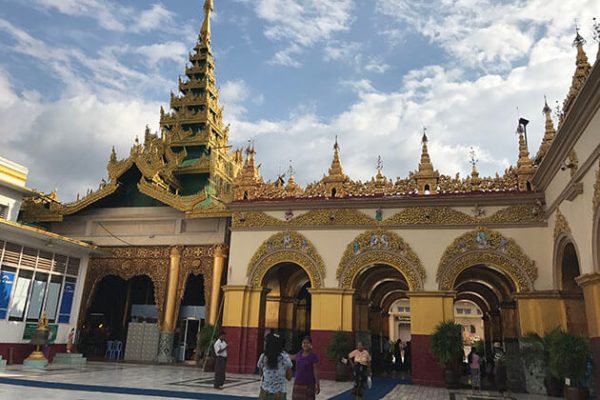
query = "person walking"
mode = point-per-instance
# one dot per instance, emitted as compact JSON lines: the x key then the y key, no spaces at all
{"x":475,"y":369}
{"x":500,"y":368}
{"x":220,"y":348}
{"x":306,"y":385}
{"x":398,"y":355}
{"x":360,"y":360}
{"x":275,"y":367}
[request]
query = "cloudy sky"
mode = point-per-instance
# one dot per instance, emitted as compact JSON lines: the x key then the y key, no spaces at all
{"x":79,"y":76}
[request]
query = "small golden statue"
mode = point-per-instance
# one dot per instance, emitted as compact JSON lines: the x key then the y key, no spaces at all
{"x":40,"y":338}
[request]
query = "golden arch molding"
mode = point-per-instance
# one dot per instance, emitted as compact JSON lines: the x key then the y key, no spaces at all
{"x":487,"y":247}
{"x":288,"y":246}
{"x":380,"y":247}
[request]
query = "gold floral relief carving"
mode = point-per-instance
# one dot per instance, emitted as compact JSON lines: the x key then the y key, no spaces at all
{"x":487,"y":247}
{"x":287,"y":246}
{"x":380,"y":247}
{"x":333,"y":217}
{"x":561,"y":226}
{"x":430,"y":216}
{"x":596,"y":198}
{"x":152,"y":261}
{"x":516,"y":214}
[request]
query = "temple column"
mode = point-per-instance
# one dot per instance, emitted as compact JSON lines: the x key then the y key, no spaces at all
{"x":590,"y":283}
{"x":331,"y":311}
{"x":244,"y":325}
{"x":510,"y":331}
{"x":427,"y":309}
{"x":218,"y":265}
{"x":165,"y":344}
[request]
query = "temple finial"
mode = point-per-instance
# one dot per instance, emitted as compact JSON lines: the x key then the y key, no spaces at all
{"x":582,"y":70}
{"x":548,"y":133}
{"x":205,"y":29}
{"x":473,"y":161}
{"x":425,"y":164}
{"x":336,"y":165}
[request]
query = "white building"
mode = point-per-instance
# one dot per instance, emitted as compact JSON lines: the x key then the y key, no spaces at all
{"x":39,"y":271}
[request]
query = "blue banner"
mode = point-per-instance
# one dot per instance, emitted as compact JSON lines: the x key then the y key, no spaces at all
{"x":64,"y":315}
{"x":7,"y":281}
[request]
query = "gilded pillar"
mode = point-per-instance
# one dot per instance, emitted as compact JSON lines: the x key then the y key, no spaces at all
{"x":218,"y":265}
{"x":165,"y":345}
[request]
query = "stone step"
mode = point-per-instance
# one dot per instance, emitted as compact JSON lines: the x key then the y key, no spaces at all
{"x":69,"y":359}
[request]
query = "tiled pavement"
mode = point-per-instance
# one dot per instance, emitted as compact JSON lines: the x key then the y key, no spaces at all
{"x":108,"y":381}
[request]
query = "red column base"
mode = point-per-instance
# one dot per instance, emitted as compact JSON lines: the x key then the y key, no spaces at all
{"x":242,"y":349}
{"x":320,"y":341}
{"x":425,"y":368}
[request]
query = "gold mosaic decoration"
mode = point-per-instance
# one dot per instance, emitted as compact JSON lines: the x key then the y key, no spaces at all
{"x":286,"y":247}
{"x":561,"y":226}
{"x":380,"y":247}
{"x":152,"y":261}
{"x":487,"y":247}
{"x":516,"y":214}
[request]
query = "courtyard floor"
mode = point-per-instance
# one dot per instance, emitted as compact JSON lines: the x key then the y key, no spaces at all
{"x":111,"y":381}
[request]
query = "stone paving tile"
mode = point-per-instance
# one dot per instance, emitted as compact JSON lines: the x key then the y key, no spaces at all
{"x":414,"y":392}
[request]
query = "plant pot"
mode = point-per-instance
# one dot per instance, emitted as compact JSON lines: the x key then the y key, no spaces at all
{"x":451,"y":378}
{"x":575,"y":393}
{"x":341,"y":374}
{"x":554,"y":387}
{"x":209,"y":365}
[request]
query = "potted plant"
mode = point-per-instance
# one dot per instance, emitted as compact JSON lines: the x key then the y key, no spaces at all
{"x":447,"y":346}
{"x":568,"y":359}
{"x":337,"y":351}
{"x":537,"y":350}
{"x":205,"y":354}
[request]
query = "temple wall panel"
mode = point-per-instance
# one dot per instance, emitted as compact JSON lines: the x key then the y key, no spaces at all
{"x":428,"y":243}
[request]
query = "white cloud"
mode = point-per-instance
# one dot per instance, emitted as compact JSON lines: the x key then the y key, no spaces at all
{"x":114,"y":16}
{"x":300,"y":24}
{"x":485,"y":33}
{"x":174,"y":51}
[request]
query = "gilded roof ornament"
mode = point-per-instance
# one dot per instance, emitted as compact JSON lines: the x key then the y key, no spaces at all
{"x":582,"y":71}
{"x":205,"y":29}
{"x":549,"y":133}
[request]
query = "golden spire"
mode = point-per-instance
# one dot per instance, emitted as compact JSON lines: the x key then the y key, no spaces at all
{"x":474,"y":172}
{"x":426,"y":177}
{"x":582,"y":70}
{"x":336,"y":165}
{"x":548,"y":133}
{"x":205,"y":29}
{"x":425,"y":164}
{"x":525,"y":168}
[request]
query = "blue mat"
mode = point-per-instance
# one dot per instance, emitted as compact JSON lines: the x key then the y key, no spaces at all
{"x":381,"y":387}
{"x":120,"y":390}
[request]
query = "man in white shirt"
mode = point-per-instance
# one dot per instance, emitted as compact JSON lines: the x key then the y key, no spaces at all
{"x":220,"y":348}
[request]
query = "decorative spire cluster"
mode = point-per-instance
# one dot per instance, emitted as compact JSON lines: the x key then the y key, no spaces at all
{"x":582,"y":71}
{"x":427,"y":178}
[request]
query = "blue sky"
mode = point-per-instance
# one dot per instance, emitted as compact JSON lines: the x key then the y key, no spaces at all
{"x":78,"y":76}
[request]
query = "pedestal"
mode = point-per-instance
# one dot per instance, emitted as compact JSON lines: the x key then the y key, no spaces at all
{"x":34,"y":364}
{"x":76,"y":359}
{"x":165,"y":347}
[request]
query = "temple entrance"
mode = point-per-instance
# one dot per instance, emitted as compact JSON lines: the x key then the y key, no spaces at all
{"x":486,"y":308}
{"x":116,"y":303}
{"x":287,"y":304}
{"x":192,"y":316}
{"x":381,"y":315}
{"x":571,"y":293}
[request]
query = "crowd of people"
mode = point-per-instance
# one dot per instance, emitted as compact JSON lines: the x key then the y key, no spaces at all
{"x":276,"y":367}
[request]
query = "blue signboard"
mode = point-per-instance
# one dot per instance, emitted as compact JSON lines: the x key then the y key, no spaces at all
{"x":7,"y":281}
{"x":67,"y":302}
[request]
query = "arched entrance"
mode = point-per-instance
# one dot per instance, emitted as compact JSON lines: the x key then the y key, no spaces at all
{"x":192,"y":316}
{"x":568,"y":269}
{"x":377,"y":287}
{"x":485,"y":298}
{"x":115,"y":303}
{"x":287,"y":303}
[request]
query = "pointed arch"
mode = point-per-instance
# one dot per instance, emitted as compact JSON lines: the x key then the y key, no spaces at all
{"x":288,"y":246}
{"x":486,"y":247}
{"x":380,"y":247}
